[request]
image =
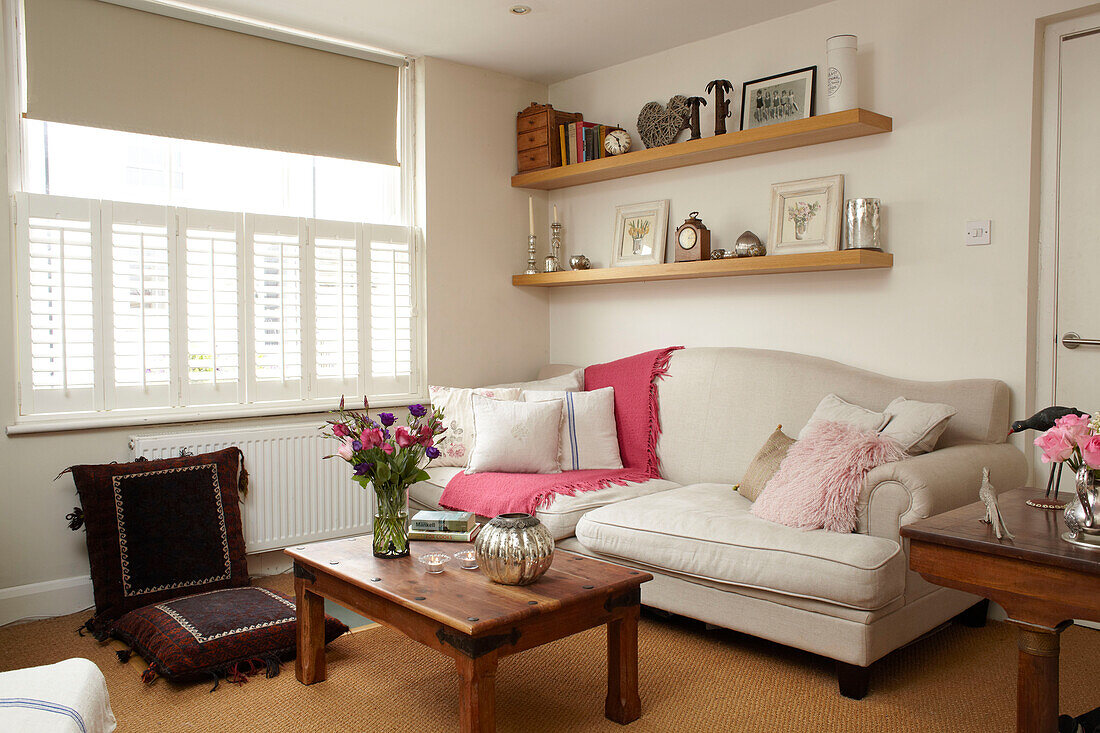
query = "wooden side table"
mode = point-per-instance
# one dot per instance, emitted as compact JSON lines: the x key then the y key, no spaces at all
{"x":1041,"y":581}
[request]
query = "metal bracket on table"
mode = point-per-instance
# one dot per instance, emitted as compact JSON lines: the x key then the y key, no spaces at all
{"x":301,"y":571}
{"x":476,"y":646}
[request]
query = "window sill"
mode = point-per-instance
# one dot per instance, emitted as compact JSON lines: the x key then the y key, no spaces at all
{"x":65,"y":422}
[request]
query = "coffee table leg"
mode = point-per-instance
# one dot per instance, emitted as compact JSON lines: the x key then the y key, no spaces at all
{"x":477,"y":704}
{"x":309,"y":666}
{"x":1037,"y":682}
{"x":623,"y":704}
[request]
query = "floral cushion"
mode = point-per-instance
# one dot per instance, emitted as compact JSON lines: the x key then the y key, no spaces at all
{"x":232,"y":632}
{"x":157,"y":530}
{"x":458,"y":418}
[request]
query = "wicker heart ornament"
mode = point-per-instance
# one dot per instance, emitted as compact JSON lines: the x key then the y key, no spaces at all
{"x":659,"y":125}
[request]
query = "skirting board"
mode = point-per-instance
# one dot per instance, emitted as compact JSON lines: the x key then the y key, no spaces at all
{"x":44,"y":600}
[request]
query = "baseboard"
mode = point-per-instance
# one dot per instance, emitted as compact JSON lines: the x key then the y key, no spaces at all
{"x":45,"y":600}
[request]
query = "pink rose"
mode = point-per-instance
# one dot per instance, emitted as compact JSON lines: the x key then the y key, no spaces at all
{"x":340,"y":430}
{"x":1056,"y":445}
{"x":425,"y":436}
{"x":345,"y":450}
{"x":1090,"y":450}
{"x":1075,"y":427}
{"x":404,"y":438}
{"x":371,"y":438}
{"x":388,"y":449}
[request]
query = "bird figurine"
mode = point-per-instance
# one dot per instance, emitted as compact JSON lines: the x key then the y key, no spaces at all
{"x":992,"y":509}
{"x":1042,"y":421}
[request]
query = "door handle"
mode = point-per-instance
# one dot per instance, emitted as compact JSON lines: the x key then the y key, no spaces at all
{"x":1072,"y":340}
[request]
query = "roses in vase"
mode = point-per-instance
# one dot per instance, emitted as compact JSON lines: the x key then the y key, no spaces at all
{"x":1074,"y":439}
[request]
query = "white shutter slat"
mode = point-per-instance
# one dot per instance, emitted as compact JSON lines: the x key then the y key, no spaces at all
{"x":335,"y":250}
{"x":277,"y":248}
{"x":392,"y":308}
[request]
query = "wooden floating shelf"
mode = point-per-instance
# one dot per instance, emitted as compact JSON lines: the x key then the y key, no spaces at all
{"x":847,"y":259}
{"x":781,"y":136}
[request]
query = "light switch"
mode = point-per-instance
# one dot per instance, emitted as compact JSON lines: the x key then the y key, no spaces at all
{"x":977,"y":232}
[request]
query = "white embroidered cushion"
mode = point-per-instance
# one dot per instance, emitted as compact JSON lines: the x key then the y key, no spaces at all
{"x":589,"y":437}
{"x":458,"y":416}
{"x":516,"y":437}
{"x":917,"y":425}
{"x":834,"y":409}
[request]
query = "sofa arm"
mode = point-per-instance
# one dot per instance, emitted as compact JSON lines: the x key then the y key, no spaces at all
{"x":896,"y":494}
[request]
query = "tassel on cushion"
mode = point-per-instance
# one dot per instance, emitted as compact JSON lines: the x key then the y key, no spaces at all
{"x":149,"y":674}
{"x":124,"y":655}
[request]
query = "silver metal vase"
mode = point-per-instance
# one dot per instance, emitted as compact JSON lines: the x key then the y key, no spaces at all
{"x":514,"y":549}
{"x":1082,"y":513}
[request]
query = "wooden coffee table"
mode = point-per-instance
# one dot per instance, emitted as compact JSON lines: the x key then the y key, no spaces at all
{"x":464,"y":615}
{"x":1041,"y":581}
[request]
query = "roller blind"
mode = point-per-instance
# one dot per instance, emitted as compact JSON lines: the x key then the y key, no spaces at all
{"x":102,"y":65}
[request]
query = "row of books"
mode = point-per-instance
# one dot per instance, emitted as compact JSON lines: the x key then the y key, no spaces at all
{"x":443,"y":526}
{"x":582,"y":141}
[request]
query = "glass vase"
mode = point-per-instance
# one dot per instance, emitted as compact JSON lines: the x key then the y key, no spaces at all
{"x":391,"y":521}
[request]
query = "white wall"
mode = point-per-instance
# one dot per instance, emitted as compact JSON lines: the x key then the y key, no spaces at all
{"x":476,"y":230}
{"x":957,"y":78}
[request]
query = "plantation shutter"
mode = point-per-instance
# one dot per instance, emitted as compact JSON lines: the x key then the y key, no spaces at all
{"x":102,"y":65}
{"x":336,"y":303}
{"x":392,"y":310}
{"x":277,"y":317}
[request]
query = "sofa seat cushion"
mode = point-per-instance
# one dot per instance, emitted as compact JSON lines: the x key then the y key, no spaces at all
{"x":562,"y":513}
{"x":705,"y":531}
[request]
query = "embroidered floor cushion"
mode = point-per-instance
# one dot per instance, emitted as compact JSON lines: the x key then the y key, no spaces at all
{"x":159,"y":530}
{"x":231,"y":632}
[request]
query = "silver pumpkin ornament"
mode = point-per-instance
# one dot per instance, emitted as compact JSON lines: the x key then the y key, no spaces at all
{"x":514,"y":549}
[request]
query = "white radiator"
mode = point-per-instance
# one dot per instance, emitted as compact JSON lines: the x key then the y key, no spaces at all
{"x":293,"y":495}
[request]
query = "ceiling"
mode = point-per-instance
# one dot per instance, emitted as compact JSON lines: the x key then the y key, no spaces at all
{"x":557,"y":40}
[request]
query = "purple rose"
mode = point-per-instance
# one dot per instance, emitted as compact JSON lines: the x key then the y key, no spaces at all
{"x":387,"y":418}
{"x":356,"y":445}
{"x":362,"y":469}
{"x":431,"y":452}
{"x":418,"y":410}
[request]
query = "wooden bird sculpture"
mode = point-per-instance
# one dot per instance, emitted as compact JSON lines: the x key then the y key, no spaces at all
{"x":992,"y":508}
{"x":1042,"y":421}
{"x":694,"y":103}
{"x":720,"y":87}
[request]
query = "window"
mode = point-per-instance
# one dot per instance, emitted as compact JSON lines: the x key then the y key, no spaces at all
{"x":134,"y":308}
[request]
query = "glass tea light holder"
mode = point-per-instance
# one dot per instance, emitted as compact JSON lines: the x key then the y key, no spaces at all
{"x":433,"y":562}
{"x":467,"y":559}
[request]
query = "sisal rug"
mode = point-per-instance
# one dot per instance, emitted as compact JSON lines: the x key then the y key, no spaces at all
{"x":691,"y":680}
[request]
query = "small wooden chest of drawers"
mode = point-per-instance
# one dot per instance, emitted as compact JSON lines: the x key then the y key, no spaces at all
{"x":538,"y":144}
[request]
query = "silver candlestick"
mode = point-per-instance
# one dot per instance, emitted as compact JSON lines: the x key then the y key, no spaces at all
{"x":532,"y":265}
{"x":553,"y":260}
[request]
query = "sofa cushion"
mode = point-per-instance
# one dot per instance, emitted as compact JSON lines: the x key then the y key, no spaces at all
{"x":706,"y":531}
{"x":563,"y":512}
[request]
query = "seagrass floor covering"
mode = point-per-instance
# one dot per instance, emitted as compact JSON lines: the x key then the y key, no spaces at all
{"x":691,"y":680}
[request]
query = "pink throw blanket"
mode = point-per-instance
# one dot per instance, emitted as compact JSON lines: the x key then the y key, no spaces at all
{"x":637,"y":421}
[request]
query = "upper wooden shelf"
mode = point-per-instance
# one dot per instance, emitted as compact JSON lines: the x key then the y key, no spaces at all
{"x":845,"y":259}
{"x":781,"y":136}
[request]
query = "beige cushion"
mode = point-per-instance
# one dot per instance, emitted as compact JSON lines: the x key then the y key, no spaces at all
{"x":572,"y":381}
{"x":834,"y":409}
{"x":765,"y":464}
{"x":516,"y":437}
{"x":589,"y":435}
{"x":706,"y":531}
{"x":458,"y":417}
{"x":917,"y":425}
{"x":560,"y":515}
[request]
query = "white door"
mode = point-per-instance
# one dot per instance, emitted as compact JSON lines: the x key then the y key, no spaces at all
{"x":1077,"y":304}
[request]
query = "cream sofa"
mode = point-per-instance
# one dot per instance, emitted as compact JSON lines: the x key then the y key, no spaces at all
{"x":849,"y":597}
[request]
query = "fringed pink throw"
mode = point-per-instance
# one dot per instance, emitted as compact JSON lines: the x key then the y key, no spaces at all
{"x":817,"y":485}
{"x":636,"y":419}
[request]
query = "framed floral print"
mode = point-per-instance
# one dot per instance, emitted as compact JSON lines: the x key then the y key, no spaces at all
{"x":640,"y":234}
{"x":805,"y":215}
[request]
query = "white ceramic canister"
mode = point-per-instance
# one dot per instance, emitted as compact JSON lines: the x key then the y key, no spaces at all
{"x":843,"y":78}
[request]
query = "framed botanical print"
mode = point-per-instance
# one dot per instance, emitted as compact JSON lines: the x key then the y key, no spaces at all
{"x":805,"y":215}
{"x":640,"y":233}
{"x":779,"y":98}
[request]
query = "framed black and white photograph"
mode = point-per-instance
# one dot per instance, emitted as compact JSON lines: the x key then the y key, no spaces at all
{"x":640,"y":233}
{"x":806,"y":215}
{"x":778,"y":98}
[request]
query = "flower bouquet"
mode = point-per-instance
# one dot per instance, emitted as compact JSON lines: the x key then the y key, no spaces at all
{"x":391,"y":459}
{"x":1075,"y":441}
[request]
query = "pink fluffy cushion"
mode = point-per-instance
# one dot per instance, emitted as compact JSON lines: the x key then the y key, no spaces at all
{"x":817,"y":485}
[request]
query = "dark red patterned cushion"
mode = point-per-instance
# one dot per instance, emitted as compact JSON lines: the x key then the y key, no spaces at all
{"x":231,"y":632}
{"x":161,"y":529}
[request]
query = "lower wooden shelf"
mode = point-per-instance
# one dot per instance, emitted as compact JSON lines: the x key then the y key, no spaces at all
{"x":847,"y":259}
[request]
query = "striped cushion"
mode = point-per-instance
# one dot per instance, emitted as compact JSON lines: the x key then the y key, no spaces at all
{"x":589,"y":438}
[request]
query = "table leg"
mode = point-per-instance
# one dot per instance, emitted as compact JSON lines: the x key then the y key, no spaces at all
{"x":309,"y":666}
{"x":1037,"y":681}
{"x":477,"y":702}
{"x":623,"y":704}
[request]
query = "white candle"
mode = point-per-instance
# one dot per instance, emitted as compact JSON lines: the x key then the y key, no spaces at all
{"x":531,"y":213}
{"x":555,"y":213}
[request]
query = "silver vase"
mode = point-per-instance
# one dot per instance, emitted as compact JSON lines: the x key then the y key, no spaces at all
{"x":1082,"y":514}
{"x":514,"y":549}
